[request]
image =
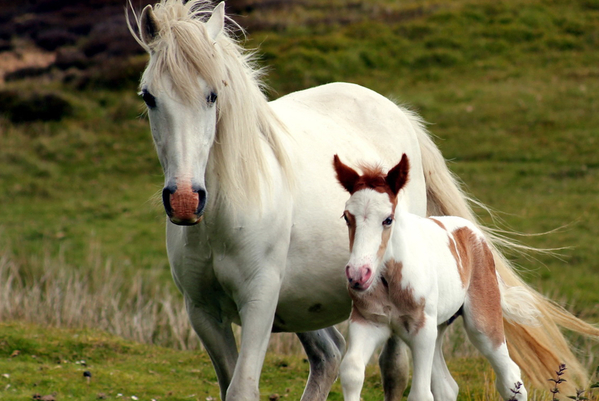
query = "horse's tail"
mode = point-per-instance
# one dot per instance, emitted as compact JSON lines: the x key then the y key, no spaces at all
{"x":539,"y":349}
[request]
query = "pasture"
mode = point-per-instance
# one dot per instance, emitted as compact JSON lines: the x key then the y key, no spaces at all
{"x":511,"y":92}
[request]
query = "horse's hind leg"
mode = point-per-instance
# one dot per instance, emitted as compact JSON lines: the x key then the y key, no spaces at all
{"x":483,"y":321}
{"x":395,"y":367}
{"x":324,"y":349}
{"x":219,"y":341}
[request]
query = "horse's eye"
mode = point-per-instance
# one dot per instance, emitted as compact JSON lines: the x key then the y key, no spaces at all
{"x":211,"y":98}
{"x":148,"y":98}
{"x":388,"y":221}
{"x":346,"y":219}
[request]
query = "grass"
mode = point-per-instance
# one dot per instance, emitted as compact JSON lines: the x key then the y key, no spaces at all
{"x":35,"y":360}
{"x":511,"y":90}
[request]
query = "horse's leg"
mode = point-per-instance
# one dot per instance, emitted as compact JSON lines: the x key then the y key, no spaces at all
{"x":257,"y":303}
{"x":364,"y":338}
{"x":443,"y":385}
{"x":324,"y":349}
{"x":395,"y":367}
{"x":487,"y":336}
{"x":422,"y":344}
{"x":219,"y":341}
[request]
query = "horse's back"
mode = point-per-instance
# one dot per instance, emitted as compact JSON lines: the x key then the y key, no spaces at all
{"x":360,"y":126}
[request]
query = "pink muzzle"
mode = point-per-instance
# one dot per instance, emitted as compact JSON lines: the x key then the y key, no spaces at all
{"x":358,"y":278}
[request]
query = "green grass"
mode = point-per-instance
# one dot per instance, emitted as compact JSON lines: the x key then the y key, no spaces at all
{"x":512,"y":93}
{"x":36,"y":360}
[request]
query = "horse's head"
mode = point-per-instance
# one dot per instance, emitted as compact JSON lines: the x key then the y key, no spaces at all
{"x":369,"y":214}
{"x":180,"y":87}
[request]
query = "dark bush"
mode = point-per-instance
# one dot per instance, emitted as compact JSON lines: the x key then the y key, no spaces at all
{"x":52,"y":39}
{"x":27,"y":72}
{"x":5,"y":45}
{"x":20,"y":107}
{"x":69,"y":57}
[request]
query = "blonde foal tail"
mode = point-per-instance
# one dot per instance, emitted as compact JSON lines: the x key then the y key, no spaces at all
{"x":537,"y":348}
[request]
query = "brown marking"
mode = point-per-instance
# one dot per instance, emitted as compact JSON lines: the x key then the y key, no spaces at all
{"x":464,"y":273}
{"x":184,"y":201}
{"x":373,"y":178}
{"x":403,"y":298}
{"x":351,"y":225}
{"x":390,"y":302}
{"x":483,"y":290}
{"x":386,"y":234}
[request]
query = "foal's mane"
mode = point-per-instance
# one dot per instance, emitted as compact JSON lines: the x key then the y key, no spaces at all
{"x":183,"y":51}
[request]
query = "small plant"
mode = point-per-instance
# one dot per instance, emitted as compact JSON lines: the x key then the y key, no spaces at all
{"x":558,"y":380}
{"x":515,"y":391}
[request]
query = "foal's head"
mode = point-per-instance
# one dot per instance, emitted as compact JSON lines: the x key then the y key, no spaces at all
{"x":369,"y":214}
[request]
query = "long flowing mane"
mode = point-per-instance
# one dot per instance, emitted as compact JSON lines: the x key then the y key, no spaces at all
{"x":183,"y":51}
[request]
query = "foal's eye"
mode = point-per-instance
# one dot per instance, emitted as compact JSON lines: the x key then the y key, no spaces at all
{"x":388,"y":221}
{"x":211,"y":98}
{"x":148,"y":98}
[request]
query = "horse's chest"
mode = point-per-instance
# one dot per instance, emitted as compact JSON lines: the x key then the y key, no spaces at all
{"x":391,"y":304}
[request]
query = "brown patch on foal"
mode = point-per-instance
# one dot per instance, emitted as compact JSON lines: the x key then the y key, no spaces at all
{"x":409,"y":310}
{"x":351,"y":225}
{"x":388,"y":301}
{"x":478,"y":267}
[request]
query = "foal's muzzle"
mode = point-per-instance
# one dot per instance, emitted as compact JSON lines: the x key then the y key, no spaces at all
{"x":184,"y":206}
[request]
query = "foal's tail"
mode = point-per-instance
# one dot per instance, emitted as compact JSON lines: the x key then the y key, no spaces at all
{"x":537,"y":348}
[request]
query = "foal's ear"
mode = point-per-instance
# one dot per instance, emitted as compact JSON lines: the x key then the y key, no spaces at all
{"x":216,"y":22}
{"x":397,"y":177}
{"x":346,"y":176}
{"x":149,"y":25}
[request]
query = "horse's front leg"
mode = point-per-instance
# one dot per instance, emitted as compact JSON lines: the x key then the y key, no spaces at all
{"x":364,"y":338}
{"x":422,"y":344}
{"x":256,"y":302}
{"x":218,"y":339}
{"x":324,"y":349}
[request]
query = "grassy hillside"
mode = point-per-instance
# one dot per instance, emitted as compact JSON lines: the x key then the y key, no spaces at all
{"x":511,"y":90}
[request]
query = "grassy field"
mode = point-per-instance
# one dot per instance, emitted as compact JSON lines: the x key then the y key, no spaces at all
{"x":35,"y":360}
{"x":511,"y":90}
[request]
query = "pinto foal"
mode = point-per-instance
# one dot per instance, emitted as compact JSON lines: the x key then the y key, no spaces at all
{"x":410,"y":277}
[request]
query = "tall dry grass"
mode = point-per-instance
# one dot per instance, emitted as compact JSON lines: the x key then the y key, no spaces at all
{"x":99,"y":294}
{"x":102,"y":294}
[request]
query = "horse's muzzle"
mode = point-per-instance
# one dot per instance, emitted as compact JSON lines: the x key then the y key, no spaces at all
{"x":184,"y":206}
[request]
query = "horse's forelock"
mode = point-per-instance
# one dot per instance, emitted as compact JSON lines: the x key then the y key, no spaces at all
{"x":183,"y":50}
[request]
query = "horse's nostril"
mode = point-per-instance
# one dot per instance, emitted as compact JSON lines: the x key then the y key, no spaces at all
{"x":166,"y":198}
{"x":202,"y":198}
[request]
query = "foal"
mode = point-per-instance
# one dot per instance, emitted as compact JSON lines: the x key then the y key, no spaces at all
{"x":410,"y":277}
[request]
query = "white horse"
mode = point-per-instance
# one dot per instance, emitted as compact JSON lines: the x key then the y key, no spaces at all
{"x":257,"y":177}
{"x":411,"y":276}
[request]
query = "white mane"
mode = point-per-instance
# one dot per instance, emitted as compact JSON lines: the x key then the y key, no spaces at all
{"x":183,"y":51}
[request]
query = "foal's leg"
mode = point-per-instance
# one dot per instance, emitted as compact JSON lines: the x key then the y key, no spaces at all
{"x":395,"y":367}
{"x":325,"y":349}
{"x":508,"y":373}
{"x":364,"y":338}
{"x":422,"y":344}
{"x":443,"y":385}
{"x":217,"y":337}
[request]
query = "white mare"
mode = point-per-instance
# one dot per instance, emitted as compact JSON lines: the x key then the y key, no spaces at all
{"x":410,"y":276}
{"x":257,"y":178}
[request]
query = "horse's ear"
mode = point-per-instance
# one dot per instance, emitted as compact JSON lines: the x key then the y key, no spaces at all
{"x":346,"y":176}
{"x":216,"y":23}
{"x":397,"y":177}
{"x":149,"y":25}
